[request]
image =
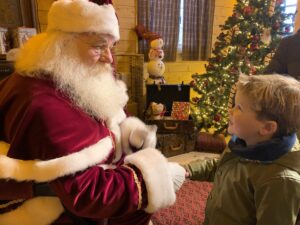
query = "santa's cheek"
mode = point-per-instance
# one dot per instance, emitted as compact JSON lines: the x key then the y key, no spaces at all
{"x":94,"y":57}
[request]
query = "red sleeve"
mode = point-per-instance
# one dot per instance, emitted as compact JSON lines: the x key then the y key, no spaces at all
{"x":97,"y":193}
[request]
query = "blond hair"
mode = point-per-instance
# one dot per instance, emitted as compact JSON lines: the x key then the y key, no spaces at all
{"x":274,"y":97}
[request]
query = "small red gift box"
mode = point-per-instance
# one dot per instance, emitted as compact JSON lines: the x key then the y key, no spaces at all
{"x":180,"y":110}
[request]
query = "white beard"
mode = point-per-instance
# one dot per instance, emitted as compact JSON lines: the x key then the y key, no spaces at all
{"x":91,"y":88}
{"x":94,"y":90}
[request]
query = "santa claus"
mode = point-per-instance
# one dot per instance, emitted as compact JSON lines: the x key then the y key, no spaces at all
{"x":62,"y":114}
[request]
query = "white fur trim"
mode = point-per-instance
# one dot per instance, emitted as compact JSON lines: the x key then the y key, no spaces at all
{"x":42,"y":171}
{"x":81,"y":16}
{"x":155,"y":170}
{"x":113,"y":123}
{"x":35,"y":211}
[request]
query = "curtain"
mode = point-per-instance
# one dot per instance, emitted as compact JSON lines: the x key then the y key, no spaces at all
{"x":161,"y":17}
{"x":197,"y":29}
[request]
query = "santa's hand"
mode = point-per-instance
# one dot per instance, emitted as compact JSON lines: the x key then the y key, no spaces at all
{"x":144,"y":137}
{"x":178,"y":174}
{"x":136,"y":135}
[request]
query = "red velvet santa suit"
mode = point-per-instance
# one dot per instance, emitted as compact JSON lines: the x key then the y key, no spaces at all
{"x":74,"y":153}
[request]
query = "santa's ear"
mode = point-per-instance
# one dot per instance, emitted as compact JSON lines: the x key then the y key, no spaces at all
{"x":269,"y":128}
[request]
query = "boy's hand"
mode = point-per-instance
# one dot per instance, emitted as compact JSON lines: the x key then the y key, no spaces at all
{"x":187,"y":174}
{"x":177,"y":174}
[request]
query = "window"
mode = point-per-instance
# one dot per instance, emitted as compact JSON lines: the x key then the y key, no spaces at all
{"x":190,"y":21}
{"x":290,"y":7}
{"x":180,"y":37}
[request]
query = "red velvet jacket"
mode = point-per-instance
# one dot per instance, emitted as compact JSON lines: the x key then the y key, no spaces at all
{"x":40,"y":123}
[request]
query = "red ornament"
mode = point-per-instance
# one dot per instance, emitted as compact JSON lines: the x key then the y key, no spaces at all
{"x":255,"y":38}
{"x":192,"y":83}
{"x":234,"y":70}
{"x":217,"y":118}
{"x":253,"y":47}
{"x":253,"y":70}
{"x":276,"y":26}
{"x":247,"y":11}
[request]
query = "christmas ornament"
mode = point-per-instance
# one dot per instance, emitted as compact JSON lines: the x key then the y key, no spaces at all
{"x":276,"y":26}
{"x":255,"y":38}
{"x":217,"y":118}
{"x":253,"y":47}
{"x":247,"y":11}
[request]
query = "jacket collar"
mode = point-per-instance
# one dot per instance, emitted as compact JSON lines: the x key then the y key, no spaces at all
{"x":291,"y":160}
{"x":264,"y":152}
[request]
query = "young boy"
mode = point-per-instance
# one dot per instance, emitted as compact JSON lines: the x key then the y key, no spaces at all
{"x":257,"y":179}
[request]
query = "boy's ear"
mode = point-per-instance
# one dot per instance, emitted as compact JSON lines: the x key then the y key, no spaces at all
{"x":269,"y":128}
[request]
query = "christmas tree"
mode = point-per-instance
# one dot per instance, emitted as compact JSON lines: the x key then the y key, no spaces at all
{"x":247,"y":41}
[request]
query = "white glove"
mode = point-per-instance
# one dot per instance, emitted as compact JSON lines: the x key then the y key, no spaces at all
{"x":136,"y":134}
{"x":177,"y":173}
{"x":143,"y":137}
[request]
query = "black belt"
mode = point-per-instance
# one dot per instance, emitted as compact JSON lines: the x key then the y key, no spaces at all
{"x":43,"y":189}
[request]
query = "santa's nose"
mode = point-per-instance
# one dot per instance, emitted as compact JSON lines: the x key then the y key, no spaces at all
{"x":106,"y":56}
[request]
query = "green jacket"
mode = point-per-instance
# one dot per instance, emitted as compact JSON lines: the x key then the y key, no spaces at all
{"x":249,"y":192}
